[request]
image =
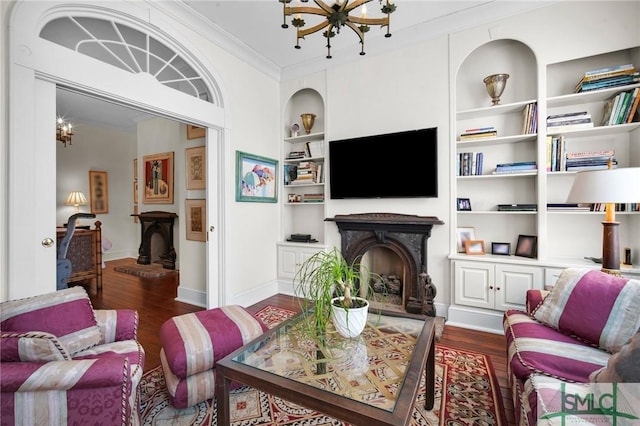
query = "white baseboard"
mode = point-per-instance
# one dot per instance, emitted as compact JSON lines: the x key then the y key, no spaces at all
{"x":192,"y":297}
{"x":475,"y":319}
{"x":254,"y":295}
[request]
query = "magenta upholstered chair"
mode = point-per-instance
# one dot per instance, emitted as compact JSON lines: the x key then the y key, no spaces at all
{"x":65,"y":363}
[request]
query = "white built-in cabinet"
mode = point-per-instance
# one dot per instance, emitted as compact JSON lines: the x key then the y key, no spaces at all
{"x":494,"y":286}
{"x":492,"y":283}
{"x":302,"y":213}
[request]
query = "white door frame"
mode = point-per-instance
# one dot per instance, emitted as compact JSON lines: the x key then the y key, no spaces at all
{"x":36,"y":67}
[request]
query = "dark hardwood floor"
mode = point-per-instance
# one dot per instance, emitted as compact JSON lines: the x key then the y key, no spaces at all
{"x":154,"y":301}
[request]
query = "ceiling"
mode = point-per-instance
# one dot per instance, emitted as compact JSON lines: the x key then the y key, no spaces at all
{"x":254,"y":28}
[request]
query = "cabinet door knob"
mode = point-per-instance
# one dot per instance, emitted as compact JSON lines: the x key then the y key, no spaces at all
{"x":490,"y":287}
{"x":497,"y":288}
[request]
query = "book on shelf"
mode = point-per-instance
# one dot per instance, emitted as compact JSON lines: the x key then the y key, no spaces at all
{"x":592,"y":166}
{"x":470,"y":163}
{"x":313,"y":198}
{"x":566,"y":122}
{"x":522,"y":166}
{"x":619,"y":207}
{"x":556,"y":153}
{"x":294,"y":155}
{"x":608,"y":83}
{"x":634,"y":107}
{"x":571,"y":127}
{"x":517,"y":207}
{"x":314,"y":148}
{"x":567,"y":115}
{"x":590,"y":154}
{"x":600,"y":72}
{"x":606,"y":77}
{"x":568,"y":207}
{"x":480,"y":132}
{"x":530,"y":119}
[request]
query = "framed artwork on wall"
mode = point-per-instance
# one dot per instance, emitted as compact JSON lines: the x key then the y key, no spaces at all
{"x":195,"y":132}
{"x":196,"y":167}
{"x":256,"y":178}
{"x":196,"y":220}
{"x":158,"y":178}
{"x":98,"y":192}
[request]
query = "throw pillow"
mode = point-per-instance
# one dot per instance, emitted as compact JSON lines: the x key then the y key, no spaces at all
{"x":597,"y":307}
{"x":31,"y":347}
{"x":67,"y":314}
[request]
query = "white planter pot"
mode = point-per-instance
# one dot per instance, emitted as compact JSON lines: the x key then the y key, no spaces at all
{"x":349,"y":322}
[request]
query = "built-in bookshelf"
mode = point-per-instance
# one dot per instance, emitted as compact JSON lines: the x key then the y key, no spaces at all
{"x":517,"y":179}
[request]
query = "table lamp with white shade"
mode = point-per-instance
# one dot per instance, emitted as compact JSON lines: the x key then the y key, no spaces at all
{"x":609,"y":186}
{"x":76,"y":199}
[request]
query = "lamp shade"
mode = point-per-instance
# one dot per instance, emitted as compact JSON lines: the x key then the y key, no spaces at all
{"x":76,"y":198}
{"x":606,"y":186}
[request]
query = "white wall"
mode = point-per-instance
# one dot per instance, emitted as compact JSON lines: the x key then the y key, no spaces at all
{"x":108,"y":150}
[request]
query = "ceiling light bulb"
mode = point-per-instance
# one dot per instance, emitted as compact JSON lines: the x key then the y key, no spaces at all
{"x":364,"y":11}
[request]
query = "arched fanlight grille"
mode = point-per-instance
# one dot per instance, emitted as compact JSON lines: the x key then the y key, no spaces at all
{"x":128,"y":49}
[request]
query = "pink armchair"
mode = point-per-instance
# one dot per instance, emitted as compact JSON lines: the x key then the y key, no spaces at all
{"x":65,"y":363}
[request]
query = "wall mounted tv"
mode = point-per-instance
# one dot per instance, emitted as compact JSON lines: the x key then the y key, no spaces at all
{"x":393,"y":165}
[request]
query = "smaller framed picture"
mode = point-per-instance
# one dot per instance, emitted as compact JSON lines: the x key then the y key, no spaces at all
{"x":98,"y":192}
{"x":464,"y":204}
{"x":474,"y":247}
{"x":462,"y":235}
{"x":196,"y":219}
{"x":501,"y":249}
{"x":196,"y":167}
{"x":527,"y":246}
{"x":195,"y":132}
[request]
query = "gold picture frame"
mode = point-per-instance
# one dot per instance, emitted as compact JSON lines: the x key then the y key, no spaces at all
{"x":196,"y":212}
{"x":474,"y":247}
{"x":195,"y":132}
{"x":98,"y":192}
{"x":158,"y":178}
{"x":196,"y":167}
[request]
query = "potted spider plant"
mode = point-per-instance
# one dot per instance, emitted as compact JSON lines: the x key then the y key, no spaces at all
{"x":329,"y":288}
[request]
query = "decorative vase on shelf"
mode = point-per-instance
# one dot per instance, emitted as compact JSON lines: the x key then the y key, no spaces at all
{"x":495,"y":86}
{"x":307,"y":121}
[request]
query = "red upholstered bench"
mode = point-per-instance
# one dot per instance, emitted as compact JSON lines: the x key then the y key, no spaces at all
{"x":192,"y":344}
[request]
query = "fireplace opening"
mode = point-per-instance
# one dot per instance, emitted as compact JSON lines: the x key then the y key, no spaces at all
{"x":386,"y":286}
{"x":156,"y":239}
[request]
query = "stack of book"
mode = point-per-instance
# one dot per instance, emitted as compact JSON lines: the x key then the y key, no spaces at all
{"x":519,"y":167}
{"x":556,"y":154}
{"x":306,"y":172}
{"x":478,"y":133}
{"x":603,"y":78}
{"x":590,"y":160}
{"x":313,"y":198}
{"x":314,"y":149}
{"x":619,"y":207}
{"x":530,"y":119}
{"x":569,"y":121}
{"x":294,"y":155}
{"x":470,"y":163}
{"x":559,"y":207}
{"x":517,"y":207}
{"x":621,"y":108}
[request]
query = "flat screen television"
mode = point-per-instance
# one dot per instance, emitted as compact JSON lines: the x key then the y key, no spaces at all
{"x":393,"y":165}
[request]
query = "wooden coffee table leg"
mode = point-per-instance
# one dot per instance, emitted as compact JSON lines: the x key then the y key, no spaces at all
{"x":222,"y":398}
{"x":430,"y":372}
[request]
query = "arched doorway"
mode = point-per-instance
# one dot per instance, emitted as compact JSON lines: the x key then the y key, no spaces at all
{"x":39,"y":65}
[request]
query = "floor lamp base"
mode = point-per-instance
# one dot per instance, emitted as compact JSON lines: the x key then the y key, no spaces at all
{"x":610,"y":248}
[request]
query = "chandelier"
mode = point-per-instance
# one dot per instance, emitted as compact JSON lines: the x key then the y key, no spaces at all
{"x":63,"y":131}
{"x":335,"y":17}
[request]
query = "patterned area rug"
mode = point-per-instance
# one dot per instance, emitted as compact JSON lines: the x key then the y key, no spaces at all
{"x":467,"y":393}
{"x":145,"y":271}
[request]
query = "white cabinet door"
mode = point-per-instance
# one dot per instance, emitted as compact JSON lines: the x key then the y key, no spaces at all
{"x":474,"y":284}
{"x":512,"y":283}
{"x":291,"y":257}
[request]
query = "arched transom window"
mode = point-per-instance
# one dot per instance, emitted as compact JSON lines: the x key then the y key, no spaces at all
{"x":127,"y":48}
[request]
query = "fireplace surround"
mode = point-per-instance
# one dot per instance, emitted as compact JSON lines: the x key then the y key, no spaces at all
{"x":156,"y":243}
{"x":404,"y":235}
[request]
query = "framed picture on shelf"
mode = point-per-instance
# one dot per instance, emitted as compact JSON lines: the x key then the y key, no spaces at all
{"x":462,"y":235}
{"x":158,"y":178}
{"x":501,"y":249}
{"x":527,"y":246}
{"x":464,"y":204}
{"x":474,"y":247}
{"x":256,"y":178}
{"x":98,"y":192}
{"x":196,"y":219}
{"x":196,"y":167}
{"x":195,"y":132}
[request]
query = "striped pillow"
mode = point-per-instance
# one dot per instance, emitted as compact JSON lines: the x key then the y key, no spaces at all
{"x":67,"y":314}
{"x":597,"y":307}
{"x":31,"y":347}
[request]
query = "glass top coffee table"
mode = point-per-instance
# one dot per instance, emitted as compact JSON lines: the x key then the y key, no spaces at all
{"x":369,"y":380}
